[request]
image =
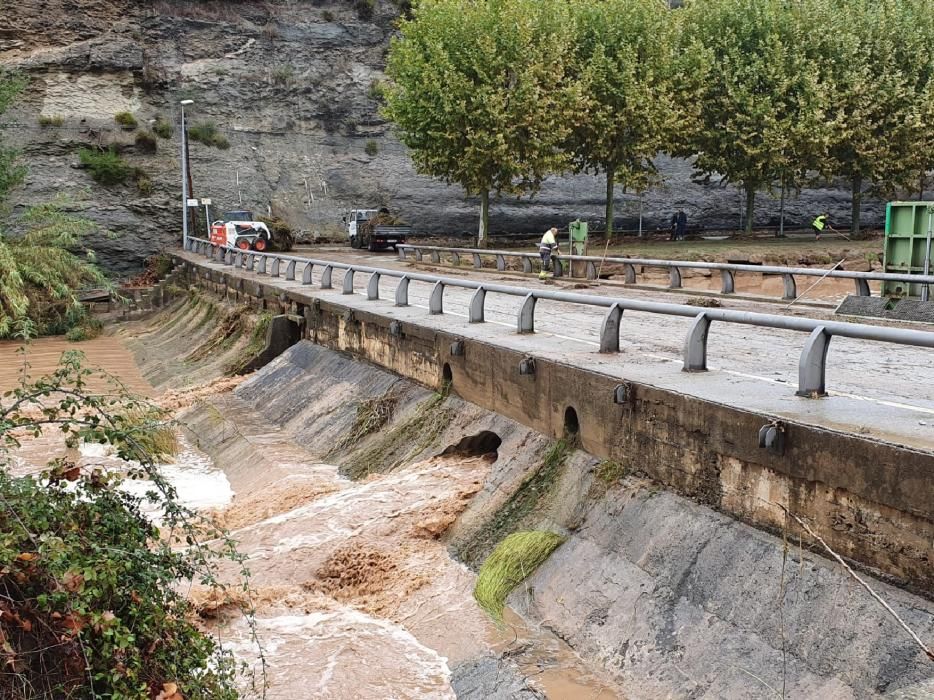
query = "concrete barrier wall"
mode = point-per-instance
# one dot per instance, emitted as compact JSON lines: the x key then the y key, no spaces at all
{"x":870,"y":500}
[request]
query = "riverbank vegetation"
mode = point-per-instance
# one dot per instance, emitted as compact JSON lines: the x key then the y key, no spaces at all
{"x":764,"y":94}
{"x":93,"y":600}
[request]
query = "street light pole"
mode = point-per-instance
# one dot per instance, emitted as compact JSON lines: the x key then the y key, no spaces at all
{"x":184,"y":141}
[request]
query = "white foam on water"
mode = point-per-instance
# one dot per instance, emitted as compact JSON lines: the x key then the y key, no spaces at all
{"x":353,"y":654}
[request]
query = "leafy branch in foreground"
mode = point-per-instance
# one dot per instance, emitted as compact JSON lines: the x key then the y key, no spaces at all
{"x":91,"y":590}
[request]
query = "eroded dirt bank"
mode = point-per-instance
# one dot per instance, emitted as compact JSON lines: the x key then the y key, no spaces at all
{"x":360,"y":589}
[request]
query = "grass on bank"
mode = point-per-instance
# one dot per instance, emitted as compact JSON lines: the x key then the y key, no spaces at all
{"x":513,"y":560}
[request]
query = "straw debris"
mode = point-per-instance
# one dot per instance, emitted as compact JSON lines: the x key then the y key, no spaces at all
{"x":513,"y":560}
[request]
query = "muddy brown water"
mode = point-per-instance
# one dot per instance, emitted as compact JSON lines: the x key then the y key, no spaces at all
{"x":42,"y":356}
{"x":356,"y":595}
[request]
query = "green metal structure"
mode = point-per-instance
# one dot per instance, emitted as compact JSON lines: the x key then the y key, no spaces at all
{"x":578,"y":234}
{"x":908,"y":230}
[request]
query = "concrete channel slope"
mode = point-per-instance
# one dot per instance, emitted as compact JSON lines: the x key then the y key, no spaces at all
{"x":857,"y":464}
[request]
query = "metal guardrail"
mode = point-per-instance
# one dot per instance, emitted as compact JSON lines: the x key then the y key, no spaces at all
{"x":674,"y":267}
{"x":811,"y":366}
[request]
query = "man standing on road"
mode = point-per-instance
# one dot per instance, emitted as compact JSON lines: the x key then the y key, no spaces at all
{"x":548,"y":246}
{"x":819,"y":224}
{"x":679,"y":225}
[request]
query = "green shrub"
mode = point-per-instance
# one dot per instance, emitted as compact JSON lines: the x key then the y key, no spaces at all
{"x":327,"y":16}
{"x":283,"y":75}
{"x":51,"y":120}
{"x":146,"y":142}
{"x":107,"y":167}
{"x":513,"y":560}
{"x":371,"y":148}
{"x":126,"y":120}
{"x":365,"y":8}
{"x":375,"y":92}
{"x":143,"y":184}
{"x":162,"y":128}
{"x":207,"y":133}
{"x":89,"y":329}
{"x":94,"y":594}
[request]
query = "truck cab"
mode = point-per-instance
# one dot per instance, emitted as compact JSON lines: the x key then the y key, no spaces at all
{"x":355,"y":222}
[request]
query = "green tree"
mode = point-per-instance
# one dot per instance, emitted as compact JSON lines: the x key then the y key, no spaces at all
{"x":480,"y":94}
{"x":756,"y":93}
{"x":879,"y":82}
{"x":40,"y":275}
{"x":10,"y":172}
{"x":624,"y":55}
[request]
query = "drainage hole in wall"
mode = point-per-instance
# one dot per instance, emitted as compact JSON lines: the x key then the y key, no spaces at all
{"x":572,"y":425}
{"x":485,"y":442}
{"x":447,"y":376}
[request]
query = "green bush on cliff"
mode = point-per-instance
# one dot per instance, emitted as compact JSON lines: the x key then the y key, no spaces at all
{"x":207,"y":133}
{"x":93,"y":598}
{"x":105,"y":166}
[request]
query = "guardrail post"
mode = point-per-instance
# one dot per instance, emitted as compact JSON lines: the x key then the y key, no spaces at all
{"x":348,"y":281}
{"x":477,"y":261}
{"x":274,"y":271}
{"x":591,"y":270}
{"x":812,"y":367}
{"x":727,"y":285}
{"x":290,"y":270}
{"x":500,"y":263}
{"x":674,"y":278}
{"x":262,"y":265}
{"x":402,"y":292}
{"x":238,"y":259}
{"x":401,"y":252}
{"x":477,"y":302}
{"x":436,"y":300}
{"x":435,"y":257}
{"x":372,"y":287}
{"x":455,"y":258}
{"x":629,"y":273}
{"x":526,"y":319}
{"x":526,"y":264}
{"x":695,"y":345}
{"x":609,"y":330}
{"x":418,"y":255}
{"x":559,"y":266}
{"x":250,"y":262}
{"x":862,"y":288}
{"x":326,"y":277}
{"x":306,"y":273}
{"x":791,"y":289}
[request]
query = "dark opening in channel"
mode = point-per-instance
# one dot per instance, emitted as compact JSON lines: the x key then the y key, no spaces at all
{"x":447,"y":376}
{"x":483,"y":443}
{"x":572,"y":425}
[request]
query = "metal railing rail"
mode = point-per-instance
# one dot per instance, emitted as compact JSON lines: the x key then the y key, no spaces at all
{"x":674,"y":267}
{"x":811,"y":366}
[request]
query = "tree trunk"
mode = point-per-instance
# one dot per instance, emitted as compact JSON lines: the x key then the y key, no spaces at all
{"x":856,"y":203}
{"x":610,"y":183}
{"x":781,"y":213}
{"x":750,"y":205}
{"x":483,"y":235}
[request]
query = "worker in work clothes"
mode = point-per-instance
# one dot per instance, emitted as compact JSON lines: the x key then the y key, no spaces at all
{"x":819,"y":224}
{"x":679,"y":224}
{"x":547,"y":247}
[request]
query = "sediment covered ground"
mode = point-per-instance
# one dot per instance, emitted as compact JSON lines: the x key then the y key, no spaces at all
{"x":366,"y":503}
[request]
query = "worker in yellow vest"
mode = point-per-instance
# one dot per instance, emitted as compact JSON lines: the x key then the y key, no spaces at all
{"x":819,"y":224}
{"x":547,"y":247}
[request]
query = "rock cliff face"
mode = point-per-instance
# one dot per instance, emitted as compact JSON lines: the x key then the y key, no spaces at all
{"x":289,"y":84}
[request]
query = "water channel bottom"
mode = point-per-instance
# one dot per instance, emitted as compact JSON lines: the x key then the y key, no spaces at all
{"x":356,"y":597}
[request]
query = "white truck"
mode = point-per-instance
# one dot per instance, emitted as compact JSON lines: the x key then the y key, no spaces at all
{"x":374,"y":229}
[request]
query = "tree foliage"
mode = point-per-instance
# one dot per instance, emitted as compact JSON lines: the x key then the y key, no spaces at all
{"x":878,"y":75}
{"x":760,"y":113}
{"x":481,"y":94}
{"x":91,"y":604}
{"x":624,"y":56}
{"x":11,"y":173}
{"x":40,"y":273}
